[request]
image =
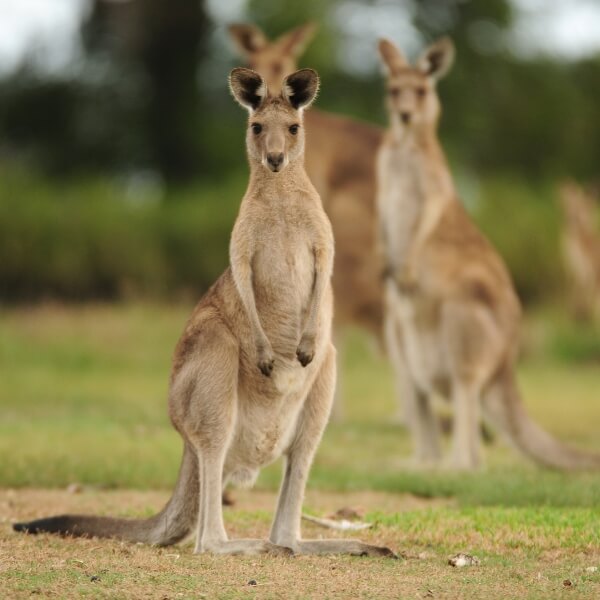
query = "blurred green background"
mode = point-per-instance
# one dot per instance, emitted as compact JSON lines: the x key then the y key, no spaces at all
{"x":121,"y":154}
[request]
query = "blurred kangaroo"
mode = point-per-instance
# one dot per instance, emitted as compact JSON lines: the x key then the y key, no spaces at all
{"x":581,"y":250}
{"x":340,"y":161}
{"x":254,"y":372}
{"x":451,"y":312}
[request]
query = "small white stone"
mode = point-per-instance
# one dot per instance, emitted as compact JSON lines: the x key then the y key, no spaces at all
{"x":463,"y":560}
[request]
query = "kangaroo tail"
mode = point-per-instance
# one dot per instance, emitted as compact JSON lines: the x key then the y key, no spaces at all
{"x":504,"y":407}
{"x":170,"y":525}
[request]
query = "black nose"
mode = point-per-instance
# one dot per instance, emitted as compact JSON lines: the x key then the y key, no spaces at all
{"x":275,"y":159}
{"x":405,"y":117}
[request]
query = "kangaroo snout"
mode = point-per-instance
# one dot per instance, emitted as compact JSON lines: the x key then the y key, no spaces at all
{"x":405,"y":116}
{"x":275,"y":160}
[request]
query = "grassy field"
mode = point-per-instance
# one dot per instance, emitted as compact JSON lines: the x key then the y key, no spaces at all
{"x":82,"y":400}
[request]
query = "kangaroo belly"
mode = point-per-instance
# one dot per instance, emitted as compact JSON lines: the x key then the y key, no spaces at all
{"x":422,"y":342}
{"x":262,"y":433}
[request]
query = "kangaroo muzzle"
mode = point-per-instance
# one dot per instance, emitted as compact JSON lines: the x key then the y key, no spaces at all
{"x":275,"y":161}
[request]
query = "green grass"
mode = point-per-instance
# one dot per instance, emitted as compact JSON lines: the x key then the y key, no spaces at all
{"x":83,"y":398}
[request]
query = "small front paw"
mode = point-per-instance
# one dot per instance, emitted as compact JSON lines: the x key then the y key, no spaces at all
{"x":266,"y":360}
{"x":306,"y":350}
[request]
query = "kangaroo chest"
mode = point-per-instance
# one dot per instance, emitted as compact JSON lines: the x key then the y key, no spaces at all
{"x":400,"y":202}
{"x":283,"y":265}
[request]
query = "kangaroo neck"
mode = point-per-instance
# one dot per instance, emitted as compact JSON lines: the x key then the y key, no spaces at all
{"x":420,"y":148}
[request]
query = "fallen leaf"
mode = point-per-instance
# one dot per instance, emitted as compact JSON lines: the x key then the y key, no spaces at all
{"x":567,"y":583}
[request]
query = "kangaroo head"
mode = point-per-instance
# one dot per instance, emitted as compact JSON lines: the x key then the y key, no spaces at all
{"x":275,"y":136}
{"x":412,"y":99}
{"x":272,"y":60}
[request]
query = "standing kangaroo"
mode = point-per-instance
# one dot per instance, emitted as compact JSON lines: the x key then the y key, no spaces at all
{"x":254,"y":372}
{"x":452,"y":315}
{"x":340,"y":161}
{"x":581,"y":251}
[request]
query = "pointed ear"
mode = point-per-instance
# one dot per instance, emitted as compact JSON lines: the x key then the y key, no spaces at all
{"x":294,"y":42}
{"x":248,"y":88}
{"x":437,"y":59}
{"x":391,"y":57}
{"x":300,"y":88}
{"x":247,"y":38}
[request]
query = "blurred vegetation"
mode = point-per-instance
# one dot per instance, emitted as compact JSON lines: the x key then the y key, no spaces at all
{"x":121,"y":175}
{"x":87,"y":238}
{"x":99,"y":238}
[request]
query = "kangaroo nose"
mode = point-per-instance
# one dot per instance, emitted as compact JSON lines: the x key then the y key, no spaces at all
{"x":275,"y":159}
{"x":405,"y":117}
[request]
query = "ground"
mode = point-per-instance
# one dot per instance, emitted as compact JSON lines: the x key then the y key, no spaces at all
{"x":82,"y":401}
{"x":523,"y":552}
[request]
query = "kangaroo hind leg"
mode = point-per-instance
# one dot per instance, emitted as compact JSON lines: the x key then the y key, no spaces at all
{"x":312,"y":420}
{"x":204,"y":407}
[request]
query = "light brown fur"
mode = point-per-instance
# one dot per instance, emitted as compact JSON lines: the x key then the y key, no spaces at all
{"x":581,"y":251}
{"x":452,"y":315}
{"x":340,"y":161}
{"x":254,"y":371}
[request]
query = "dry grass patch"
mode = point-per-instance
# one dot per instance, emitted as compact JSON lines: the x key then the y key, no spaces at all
{"x":424,"y":531}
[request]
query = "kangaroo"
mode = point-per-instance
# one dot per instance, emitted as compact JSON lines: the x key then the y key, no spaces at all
{"x":340,"y":161}
{"x":581,"y":251}
{"x":254,"y":371}
{"x":451,"y":312}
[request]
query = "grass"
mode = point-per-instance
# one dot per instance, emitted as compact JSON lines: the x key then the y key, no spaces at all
{"x":86,"y":388}
{"x":83,"y":400}
{"x":524,"y":552}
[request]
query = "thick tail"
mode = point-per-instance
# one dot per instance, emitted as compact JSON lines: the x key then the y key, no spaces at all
{"x":505,"y":409}
{"x":169,"y":526}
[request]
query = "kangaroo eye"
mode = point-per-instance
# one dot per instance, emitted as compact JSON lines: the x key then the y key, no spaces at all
{"x":421,"y":92}
{"x":256,"y":128}
{"x":394,"y":92}
{"x":294,"y":129}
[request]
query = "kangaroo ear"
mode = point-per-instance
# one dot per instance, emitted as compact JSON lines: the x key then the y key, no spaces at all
{"x":294,"y":42}
{"x":247,"y":38}
{"x":437,"y":59}
{"x":300,"y":88}
{"x":391,"y":57}
{"x":247,"y":87}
